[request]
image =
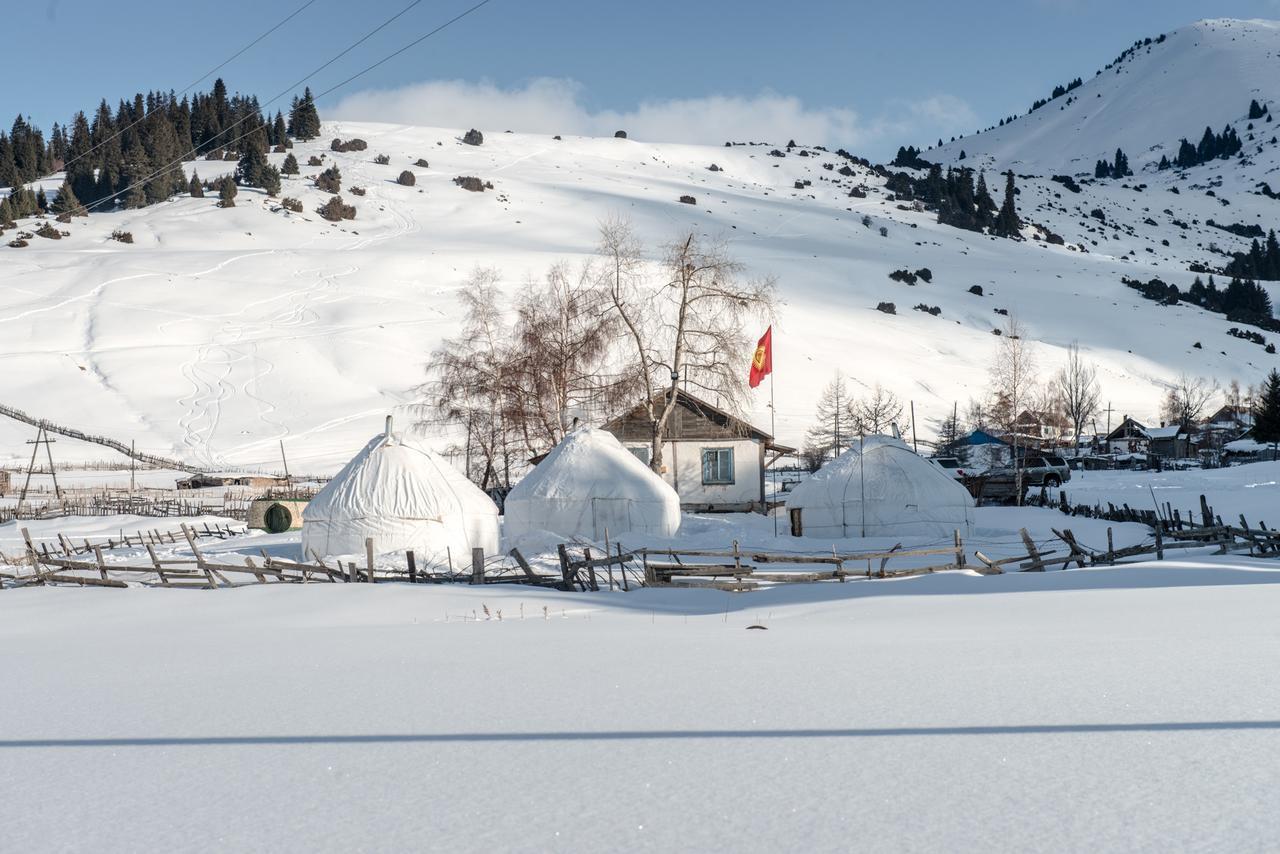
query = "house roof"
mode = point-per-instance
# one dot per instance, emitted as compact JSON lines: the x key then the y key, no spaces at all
{"x":1128,"y":429}
{"x":980,"y":437}
{"x":1169,"y":432}
{"x":712,"y":413}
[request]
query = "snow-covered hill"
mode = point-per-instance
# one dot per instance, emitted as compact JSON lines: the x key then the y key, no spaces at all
{"x":1161,"y":90}
{"x":218,"y":333}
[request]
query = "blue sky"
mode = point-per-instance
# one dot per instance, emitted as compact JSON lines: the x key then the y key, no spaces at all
{"x":866,"y":75}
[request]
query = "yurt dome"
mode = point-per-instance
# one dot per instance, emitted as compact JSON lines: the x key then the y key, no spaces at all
{"x":880,"y":488}
{"x":587,"y":484}
{"x":404,"y":496}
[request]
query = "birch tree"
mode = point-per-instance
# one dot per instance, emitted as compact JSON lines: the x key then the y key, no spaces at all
{"x":684,"y":322}
{"x":1076,"y":387}
{"x":1013,"y":382}
{"x":469,"y":382}
{"x":562,"y":361}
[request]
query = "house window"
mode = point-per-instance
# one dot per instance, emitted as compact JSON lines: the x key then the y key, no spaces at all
{"x":642,"y":453}
{"x":717,"y":465}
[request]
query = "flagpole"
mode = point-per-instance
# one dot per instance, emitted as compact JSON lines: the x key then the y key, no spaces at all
{"x":773,"y":430}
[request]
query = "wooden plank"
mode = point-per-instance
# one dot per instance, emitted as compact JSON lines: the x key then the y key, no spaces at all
{"x":730,"y":586}
{"x":477,"y":566}
{"x":84,"y":582}
{"x":588,"y":563}
{"x":798,"y":577}
{"x":990,"y":567}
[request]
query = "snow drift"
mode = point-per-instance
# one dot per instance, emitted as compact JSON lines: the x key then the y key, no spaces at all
{"x":882,"y":489}
{"x":588,"y":484}
{"x":404,"y":496}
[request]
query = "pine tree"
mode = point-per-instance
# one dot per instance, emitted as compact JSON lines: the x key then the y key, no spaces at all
{"x":1266,"y":412}
{"x":194,"y":188}
{"x":1255,"y":110}
{"x":1007,"y":222}
{"x":226,"y":192}
{"x":7,"y":215}
{"x":80,"y":162}
{"x":278,"y":131}
{"x":290,"y":166}
{"x":42,"y":201}
{"x":986,"y":206}
{"x":1121,"y":167}
{"x":304,"y":120}
{"x":67,"y":203}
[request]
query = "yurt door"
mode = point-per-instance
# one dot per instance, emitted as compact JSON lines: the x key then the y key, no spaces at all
{"x":610,"y":514}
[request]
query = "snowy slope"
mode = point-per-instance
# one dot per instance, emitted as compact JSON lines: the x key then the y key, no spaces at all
{"x":1201,"y":75}
{"x":219,"y":333}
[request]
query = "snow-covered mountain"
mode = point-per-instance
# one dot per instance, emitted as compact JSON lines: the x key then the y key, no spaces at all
{"x":1161,"y":89}
{"x":219,"y":332}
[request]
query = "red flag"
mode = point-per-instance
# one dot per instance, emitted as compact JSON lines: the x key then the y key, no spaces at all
{"x":762,"y":361}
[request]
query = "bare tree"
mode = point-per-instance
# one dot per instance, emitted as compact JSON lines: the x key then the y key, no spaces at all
{"x":1076,"y":388}
{"x":976,"y":415}
{"x":563,"y":339}
{"x":1186,"y":400}
{"x":469,"y":381}
{"x":879,"y":412}
{"x":685,"y":325}
{"x":1013,"y":381}
{"x":834,"y":421}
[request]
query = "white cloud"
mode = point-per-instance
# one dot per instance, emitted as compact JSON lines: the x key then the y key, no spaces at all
{"x":555,"y":105}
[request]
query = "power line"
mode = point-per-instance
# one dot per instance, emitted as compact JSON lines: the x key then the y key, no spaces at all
{"x":191,"y":85}
{"x":294,"y":87}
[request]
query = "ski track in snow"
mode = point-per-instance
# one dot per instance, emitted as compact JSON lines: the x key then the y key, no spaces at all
{"x":209,"y":371}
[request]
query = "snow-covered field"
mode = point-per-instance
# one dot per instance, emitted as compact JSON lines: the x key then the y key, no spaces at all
{"x":1116,"y":709}
{"x":1125,"y":708}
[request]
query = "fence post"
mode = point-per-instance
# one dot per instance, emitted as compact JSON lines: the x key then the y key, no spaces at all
{"x":477,"y":566}
{"x":1037,"y":564}
{"x":413,"y":567}
{"x":368,"y":556}
{"x":565,"y":573}
{"x":959,"y":550}
{"x":1159,"y":541}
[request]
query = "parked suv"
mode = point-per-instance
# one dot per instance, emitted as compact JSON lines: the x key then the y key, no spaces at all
{"x":951,"y":464}
{"x":1045,"y":470}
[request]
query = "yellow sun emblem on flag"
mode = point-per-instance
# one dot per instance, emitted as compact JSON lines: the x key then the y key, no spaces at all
{"x":758,"y":359}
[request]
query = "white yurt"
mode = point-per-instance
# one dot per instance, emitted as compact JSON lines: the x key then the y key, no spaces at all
{"x":880,"y":488}
{"x":587,"y":484}
{"x":404,"y":496}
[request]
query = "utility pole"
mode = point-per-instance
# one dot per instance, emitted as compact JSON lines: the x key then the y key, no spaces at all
{"x":284,"y":460}
{"x":914,"y":446}
{"x":1108,"y":410}
{"x":133,"y":464}
{"x":42,"y":438}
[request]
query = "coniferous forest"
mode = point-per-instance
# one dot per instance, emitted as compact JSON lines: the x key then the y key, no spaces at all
{"x":132,"y":156}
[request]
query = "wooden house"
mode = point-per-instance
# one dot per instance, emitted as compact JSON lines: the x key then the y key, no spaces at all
{"x":715,"y":461}
{"x":1129,"y":438}
{"x":1172,"y":442}
{"x":205,"y":480}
